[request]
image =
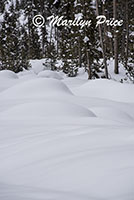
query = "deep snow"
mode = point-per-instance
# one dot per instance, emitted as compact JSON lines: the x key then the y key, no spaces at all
{"x":67,"y":139}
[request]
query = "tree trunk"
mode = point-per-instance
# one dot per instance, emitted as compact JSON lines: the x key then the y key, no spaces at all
{"x":101,"y":42}
{"x":116,"y":67}
{"x":89,"y":67}
{"x":127,"y":34}
{"x":79,"y":49}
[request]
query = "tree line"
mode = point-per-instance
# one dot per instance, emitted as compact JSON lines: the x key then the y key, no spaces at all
{"x":74,"y":47}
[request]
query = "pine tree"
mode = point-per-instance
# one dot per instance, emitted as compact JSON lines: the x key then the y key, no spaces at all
{"x":34,"y":40}
{"x":11,"y":50}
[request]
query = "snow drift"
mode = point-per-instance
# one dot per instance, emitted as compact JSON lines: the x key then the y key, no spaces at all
{"x":112,"y":113}
{"x":107,"y":89}
{"x":46,"y":109}
{"x":53,"y":147}
{"x":7,"y":74}
{"x":50,"y":74}
{"x":36,"y":88}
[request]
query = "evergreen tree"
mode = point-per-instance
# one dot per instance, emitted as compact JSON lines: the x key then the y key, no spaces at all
{"x":10,"y":42}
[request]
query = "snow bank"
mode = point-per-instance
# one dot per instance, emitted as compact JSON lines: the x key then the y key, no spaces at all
{"x":107,"y":89}
{"x":36,"y":88}
{"x":46,"y":109}
{"x":25,"y":73}
{"x":50,"y":74}
{"x":114,"y":114}
{"x":7,"y":74}
{"x":53,"y":148}
{"x":7,"y":79}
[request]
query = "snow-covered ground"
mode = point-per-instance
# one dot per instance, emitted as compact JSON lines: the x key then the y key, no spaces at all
{"x":65,"y":138}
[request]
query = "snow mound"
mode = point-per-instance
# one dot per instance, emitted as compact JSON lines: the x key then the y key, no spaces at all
{"x":107,"y":89}
{"x":46,"y":109}
{"x":112,"y":114}
{"x":8,"y":74}
{"x":50,"y":74}
{"x":37,"y":65}
{"x":25,"y":73}
{"x":36,"y":88}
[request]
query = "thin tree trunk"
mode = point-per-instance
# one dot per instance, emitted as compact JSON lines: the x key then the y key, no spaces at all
{"x":110,"y":40}
{"x":105,"y":28}
{"x":101,"y":42}
{"x":80,"y":63}
{"x":127,"y":34}
{"x":89,"y":67}
{"x":56,"y":39}
{"x":116,"y":67}
{"x":50,"y":42}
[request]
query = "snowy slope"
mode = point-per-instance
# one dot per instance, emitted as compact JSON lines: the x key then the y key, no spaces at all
{"x":67,"y":139}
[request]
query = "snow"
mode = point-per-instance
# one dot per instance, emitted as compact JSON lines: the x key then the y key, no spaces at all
{"x":86,"y":39}
{"x":7,"y":74}
{"x":22,"y":18}
{"x":107,"y":89}
{"x":42,"y":110}
{"x":78,"y":16}
{"x":112,"y":113}
{"x":37,"y":65}
{"x":50,"y":74}
{"x":122,"y":76}
{"x":1,"y":18}
{"x":36,"y":88}
{"x":68,"y":139}
{"x":109,"y":34}
{"x":56,"y":1}
{"x":132,"y":34}
{"x":7,"y":79}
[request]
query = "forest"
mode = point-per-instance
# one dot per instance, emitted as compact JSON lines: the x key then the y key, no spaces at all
{"x":68,"y":48}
